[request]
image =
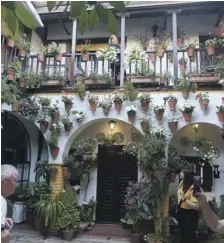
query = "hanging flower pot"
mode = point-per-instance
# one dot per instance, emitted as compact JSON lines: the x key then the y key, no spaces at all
{"x":180,"y":41}
{"x":55,"y":116}
{"x":10,"y":75}
{"x":22,"y":83}
{"x":187,"y":116}
{"x":44,"y":126}
{"x":53,"y":171}
{"x":185,"y":93}
{"x":58,"y":57}
{"x":85,"y":56}
{"x":93,"y":107}
{"x":220,"y":116}
{"x":159,"y":114}
{"x":15,"y":107}
{"x":173,"y":126}
{"x":211,"y":50}
{"x":172,"y":105}
{"x":68,"y":107}
{"x":172,"y":177}
{"x":118,"y":106}
{"x":161,"y":52}
{"x":82,"y":95}
{"x":22,"y":52}
{"x":191,"y":51}
{"x":40,"y":57}
{"x":204,"y":104}
{"x":153,"y":57}
{"x":55,"y":151}
{"x":65,"y":171}
{"x":145,"y":126}
{"x":149,"y":175}
{"x":10,"y":43}
{"x":145,"y":105}
{"x":106,"y":111}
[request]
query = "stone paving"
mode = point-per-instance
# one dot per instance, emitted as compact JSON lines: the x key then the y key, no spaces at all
{"x":25,"y":234}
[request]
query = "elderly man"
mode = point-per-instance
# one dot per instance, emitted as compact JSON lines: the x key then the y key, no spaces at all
{"x":9,"y":176}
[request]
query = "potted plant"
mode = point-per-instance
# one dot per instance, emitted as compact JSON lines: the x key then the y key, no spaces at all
{"x":173,"y":123}
{"x":172,"y":102}
{"x":22,"y":78}
{"x":108,"y":53}
{"x":180,"y":36}
{"x":145,"y":100}
{"x":220,"y":113}
{"x":211,"y":45}
{"x":56,"y":51}
{"x":221,"y":82}
{"x":52,"y":142}
{"x":10,"y":41}
{"x":45,"y":102}
{"x":33,"y":80}
{"x":203,"y":99}
{"x":118,"y":101}
{"x":144,"y":122}
{"x":185,"y":86}
{"x":159,"y":111}
{"x":79,"y":115}
{"x":190,"y":48}
{"x":109,"y":140}
{"x":187,"y":111}
{"x":174,"y":167}
{"x":41,"y":55}
{"x":29,"y":108}
{"x":24,"y":46}
{"x":182,"y":63}
{"x":106,"y":104}
{"x":67,"y":100}
{"x":93,"y":101}
{"x":84,"y":50}
{"x":131,"y":112}
{"x":54,"y":112}
{"x":130,"y":91}
{"x":161,"y":46}
{"x":67,"y":123}
{"x":12,"y":69}
{"x":165,"y":78}
{"x":131,"y":148}
{"x":81,"y":90}
{"x":43,"y":121}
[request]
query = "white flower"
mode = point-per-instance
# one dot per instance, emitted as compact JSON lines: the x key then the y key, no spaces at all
{"x":131,"y":108}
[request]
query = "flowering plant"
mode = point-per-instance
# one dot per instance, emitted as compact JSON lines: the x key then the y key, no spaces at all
{"x":202,"y":96}
{"x":187,"y":108}
{"x":131,"y":109}
{"x":211,"y":42}
{"x":85,"y":46}
{"x":174,"y":119}
{"x":131,"y":148}
{"x":134,"y":54}
{"x":159,"y":108}
{"x":204,"y":149}
{"x":106,"y":102}
{"x":79,"y":114}
{"x":56,"y":128}
{"x":93,"y":99}
{"x":159,"y":132}
{"x":162,"y":43}
{"x":119,"y":98}
{"x":67,"y":99}
{"x":67,"y":123}
{"x":221,"y":82}
{"x":220,"y":108}
{"x":55,"y":49}
{"x":144,"y":98}
{"x":172,"y":98}
{"x":108,"y":53}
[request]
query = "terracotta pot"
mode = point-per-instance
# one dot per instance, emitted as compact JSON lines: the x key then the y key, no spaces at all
{"x":55,"y":117}
{"x":58,"y":57}
{"x":172,"y":177}
{"x":211,"y":50}
{"x":131,"y":118}
{"x":44,"y":126}
{"x":40,"y":57}
{"x":15,"y":107}
{"x":185,"y":93}
{"x":190,"y":51}
{"x":159,"y":115}
{"x":204,"y":104}
{"x":145,"y":126}
{"x":173,"y":126}
{"x":220,"y":116}
{"x":68,"y":235}
{"x":153,"y":58}
{"x":161,"y":52}
{"x":149,"y":175}
{"x":68,"y":107}
{"x":55,"y":151}
{"x":187,"y":116}
{"x":106,"y":111}
{"x":93,"y":107}
{"x":85,"y":56}
{"x":10,"y":75}
{"x":22,"y":52}
{"x":22,"y":83}
{"x":65,"y":171}
{"x":135,"y":238}
{"x":10,"y":43}
{"x":145,"y":105}
{"x":118,"y":106}
{"x":182,"y":66}
{"x":180,"y":41}
{"x":172,"y":105}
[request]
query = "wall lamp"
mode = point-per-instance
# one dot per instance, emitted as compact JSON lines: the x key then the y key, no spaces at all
{"x":112,"y":125}
{"x":216,"y":172}
{"x":196,"y":127}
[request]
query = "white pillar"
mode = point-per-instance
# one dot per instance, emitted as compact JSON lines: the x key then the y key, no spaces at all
{"x":74,"y":36}
{"x":122,"y":50}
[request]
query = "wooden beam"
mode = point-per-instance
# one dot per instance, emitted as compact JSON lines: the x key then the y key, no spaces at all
{"x":165,"y":22}
{"x":218,"y":20}
{"x":64,"y":26}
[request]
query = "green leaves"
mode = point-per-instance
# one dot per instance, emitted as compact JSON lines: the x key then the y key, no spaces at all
{"x":102,"y":13}
{"x":51,"y":5}
{"x":77,"y":8}
{"x":84,"y":22}
{"x":119,"y":6}
{"x":112,"y":23}
{"x":93,"y":19}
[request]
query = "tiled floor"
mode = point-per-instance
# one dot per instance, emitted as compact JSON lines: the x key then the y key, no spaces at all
{"x":24,"y":234}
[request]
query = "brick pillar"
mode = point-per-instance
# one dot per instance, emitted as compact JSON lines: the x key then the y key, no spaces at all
{"x":166,"y":212}
{"x":57,"y":182}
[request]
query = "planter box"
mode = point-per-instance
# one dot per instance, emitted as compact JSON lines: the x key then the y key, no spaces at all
{"x":95,"y":82}
{"x":204,"y":79}
{"x":52,"y":83}
{"x":143,"y":80}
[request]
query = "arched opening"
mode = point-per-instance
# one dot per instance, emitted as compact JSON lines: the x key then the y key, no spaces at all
{"x":22,"y":146}
{"x":181,"y":145}
{"x":108,"y":182}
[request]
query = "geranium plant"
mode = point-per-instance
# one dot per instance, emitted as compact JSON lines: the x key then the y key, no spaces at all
{"x":106,"y":104}
{"x":131,"y":148}
{"x":67,"y":99}
{"x":85,"y":46}
{"x":211,"y":42}
{"x":55,"y":49}
{"x":202,"y":97}
{"x":67,"y":123}
{"x":108,"y":53}
{"x":131,"y":111}
{"x":187,"y":108}
{"x":44,"y":101}
{"x":134,"y":55}
{"x":79,"y":115}
{"x":93,"y":100}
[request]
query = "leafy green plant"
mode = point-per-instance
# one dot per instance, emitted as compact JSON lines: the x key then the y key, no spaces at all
{"x":55,"y":49}
{"x":67,"y":123}
{"x":29,"y":107}
{"x":43,"y":49}
{"x":184,"y":84}
{"x":67,"y":99}
{"x":15,"y":66}
{"x":33,"y":80}
{"x":52,"y":140}
{"x":130,"y":91}
{"x":24,"y":44}
{"x":85,"y":46}
{"x":44,"y":101}
{"x":211,"y":42}
{"x":42,"y":170}
{"x":145,"y":98}
{"x":80,"y":88}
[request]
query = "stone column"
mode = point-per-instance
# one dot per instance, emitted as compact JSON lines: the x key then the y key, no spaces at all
{"x":74,"y":37}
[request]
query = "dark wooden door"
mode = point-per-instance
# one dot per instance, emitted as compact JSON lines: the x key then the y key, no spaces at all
{"x":115,"y":170}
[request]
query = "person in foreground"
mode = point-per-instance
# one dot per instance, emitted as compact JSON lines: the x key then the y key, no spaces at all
{"x":9,"y":176}
{"x":212,"y":220}
{"x":188,"y":206}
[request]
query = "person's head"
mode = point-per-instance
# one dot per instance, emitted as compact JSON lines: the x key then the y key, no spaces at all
{"x":113,"y":40}
{"x":9,"y":176}
{"x":188,"y":180}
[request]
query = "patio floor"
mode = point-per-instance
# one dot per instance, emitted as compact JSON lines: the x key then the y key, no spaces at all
{"x":24,"y":234}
